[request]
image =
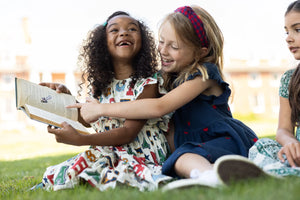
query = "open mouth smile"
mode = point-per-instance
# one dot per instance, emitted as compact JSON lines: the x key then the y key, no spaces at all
{"x":124,"y":43}
{"x":166,"y":62}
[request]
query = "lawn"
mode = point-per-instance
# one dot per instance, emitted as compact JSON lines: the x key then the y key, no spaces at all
{"x":18,"y":176}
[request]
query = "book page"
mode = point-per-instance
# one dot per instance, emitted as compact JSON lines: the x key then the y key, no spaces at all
{"x":44,"y":98}
{"x":53,"y":119}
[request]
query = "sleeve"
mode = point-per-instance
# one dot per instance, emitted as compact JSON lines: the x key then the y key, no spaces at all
{"x":141,"y":83}
{"x":213,"y":73}
{"x":162,"y":122}
{"x":284,"y":83}
{"x":161,"y":88}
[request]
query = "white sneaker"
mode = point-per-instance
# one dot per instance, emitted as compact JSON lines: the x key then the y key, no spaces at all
{"x":207,"y":178}
{"x":234,"y":168}
{"x":185,"y":183}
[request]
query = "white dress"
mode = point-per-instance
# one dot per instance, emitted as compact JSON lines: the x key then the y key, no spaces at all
{"x":137,"y":164}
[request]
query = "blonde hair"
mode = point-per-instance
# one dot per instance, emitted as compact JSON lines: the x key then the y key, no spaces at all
{"x":185,"y":31}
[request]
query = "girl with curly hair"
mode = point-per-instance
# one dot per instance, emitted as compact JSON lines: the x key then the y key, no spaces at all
{"x":191,"y":50}
{"x":119,"y":63}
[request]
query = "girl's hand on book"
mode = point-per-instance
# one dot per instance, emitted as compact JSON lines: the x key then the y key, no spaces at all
{"x":88,"y":110}
{"x":67,"y":134}
{"x":60,"y":88}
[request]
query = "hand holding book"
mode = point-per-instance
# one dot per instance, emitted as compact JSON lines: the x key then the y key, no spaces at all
{"x":66,"y":134}
{"x":59,"y":88}
{"x":46,"y":105}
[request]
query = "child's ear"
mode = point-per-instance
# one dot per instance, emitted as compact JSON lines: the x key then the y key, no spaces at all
{"x":204,"y":52}
{"x":200,"y":54}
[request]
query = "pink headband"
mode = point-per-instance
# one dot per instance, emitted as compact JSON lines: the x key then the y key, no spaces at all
{"x":196,"y":22}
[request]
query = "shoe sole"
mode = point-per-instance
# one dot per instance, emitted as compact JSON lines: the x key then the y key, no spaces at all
{"x":234,"y":168}
{"x":186,"y":183}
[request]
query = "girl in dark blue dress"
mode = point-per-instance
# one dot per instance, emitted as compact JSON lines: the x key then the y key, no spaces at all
{"x":191,"y":50}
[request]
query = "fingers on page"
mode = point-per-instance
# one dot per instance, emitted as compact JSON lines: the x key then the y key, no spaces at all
{"x":76,"y":105}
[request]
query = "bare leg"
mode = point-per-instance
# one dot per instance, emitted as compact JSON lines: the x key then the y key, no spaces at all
{"x":195,"y":170}
{"x":189,"y":161}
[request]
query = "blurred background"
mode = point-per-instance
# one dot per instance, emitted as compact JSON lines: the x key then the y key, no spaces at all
{"x":39,"y":41}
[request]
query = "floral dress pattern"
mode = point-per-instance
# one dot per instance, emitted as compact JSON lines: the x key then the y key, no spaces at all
{"x":137,"y":164}
{"x":264,"y":151}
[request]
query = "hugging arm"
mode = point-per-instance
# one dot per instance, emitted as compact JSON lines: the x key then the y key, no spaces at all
{"x":151,"y":107}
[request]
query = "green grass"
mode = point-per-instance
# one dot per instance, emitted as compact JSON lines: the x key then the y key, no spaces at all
{"x":251,"y":117}
{"x":17,"y":177}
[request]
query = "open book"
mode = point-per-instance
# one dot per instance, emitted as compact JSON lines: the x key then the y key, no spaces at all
{"x":46,"y":105}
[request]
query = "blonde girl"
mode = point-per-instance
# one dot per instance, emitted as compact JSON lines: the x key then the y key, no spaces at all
{"x":191,"y":50}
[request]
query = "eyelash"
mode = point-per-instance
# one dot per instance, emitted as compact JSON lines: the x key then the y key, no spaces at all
{"x":297,"y":30}
{"x":133,"y":29}
{"x":162,"y":42}
{"x":130,"y":29}
{"x":113,"y":30}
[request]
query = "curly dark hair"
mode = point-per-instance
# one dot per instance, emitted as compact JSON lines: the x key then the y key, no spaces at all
{"x":95,"y":59}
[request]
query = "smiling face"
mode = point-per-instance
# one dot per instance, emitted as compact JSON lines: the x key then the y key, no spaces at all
{"x":292,"y":27}
{"x":123,"y":37}
{"x":175,"y":54}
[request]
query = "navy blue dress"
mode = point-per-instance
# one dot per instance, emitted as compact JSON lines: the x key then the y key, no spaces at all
{"x":205,"y":127}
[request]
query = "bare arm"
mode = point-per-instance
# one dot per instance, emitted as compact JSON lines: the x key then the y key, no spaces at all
{"x":114,"y":137}
{"x":118,"y":136}
{"x":148,"y":108}
{"x":285,"y":135}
